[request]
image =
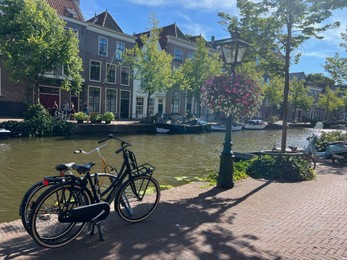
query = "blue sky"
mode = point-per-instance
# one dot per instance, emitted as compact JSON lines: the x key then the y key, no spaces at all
{"x":197,"y":17}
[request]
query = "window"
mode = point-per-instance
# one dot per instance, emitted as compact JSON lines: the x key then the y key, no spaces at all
{"x":103,"y":42}
{"x":124,"y":76}
{"x":151,"y":106}
{"x":94,"y":99}
{"x":0,"y":81}
{"x":178,"y":54}
{"x":110,"y":73}
{"x":95,"y":68}
{"x":119,"y":50}
{"x":111,"y":97}
{"x":191,"y":55}
{"x":139,"y":106}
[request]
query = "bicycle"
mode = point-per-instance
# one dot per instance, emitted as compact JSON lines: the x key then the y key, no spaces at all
{"x":62,"y":211}
{"x":64,"y":170}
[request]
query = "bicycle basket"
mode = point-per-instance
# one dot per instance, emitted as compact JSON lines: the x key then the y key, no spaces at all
{"x":144,"y":169}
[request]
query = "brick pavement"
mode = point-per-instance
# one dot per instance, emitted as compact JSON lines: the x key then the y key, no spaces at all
{"x":256,"y":220}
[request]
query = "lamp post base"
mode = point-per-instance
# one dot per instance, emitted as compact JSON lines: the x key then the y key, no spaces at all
{"x":226,"y":168}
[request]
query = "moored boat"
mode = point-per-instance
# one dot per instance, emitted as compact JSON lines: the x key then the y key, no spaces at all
{"x":255,"y":124}
{"x":222,"y":127}
{"x":4,"y":134}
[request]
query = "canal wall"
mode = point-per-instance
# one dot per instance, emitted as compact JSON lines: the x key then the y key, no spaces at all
{"x":130,"y":128}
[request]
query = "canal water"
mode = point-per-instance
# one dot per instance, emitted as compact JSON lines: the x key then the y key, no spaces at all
{"x":24,"y":161}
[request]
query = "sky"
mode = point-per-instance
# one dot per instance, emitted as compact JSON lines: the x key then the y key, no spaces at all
{"x":200,"y":17}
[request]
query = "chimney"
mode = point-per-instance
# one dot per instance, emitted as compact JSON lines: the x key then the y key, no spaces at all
{"x":212,"y":39}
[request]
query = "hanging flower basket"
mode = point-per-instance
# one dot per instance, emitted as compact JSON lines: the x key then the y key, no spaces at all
{"x":236,"y":95}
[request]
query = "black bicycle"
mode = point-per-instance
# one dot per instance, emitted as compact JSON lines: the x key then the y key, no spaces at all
{"x":62,"y":211}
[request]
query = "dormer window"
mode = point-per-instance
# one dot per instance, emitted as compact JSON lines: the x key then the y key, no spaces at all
{"x":72,"y":13}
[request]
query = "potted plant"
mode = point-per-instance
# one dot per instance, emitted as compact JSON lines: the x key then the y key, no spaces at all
{"x":80,"y":117}
{"x":95,"y":118}
{"x":108,"y":117}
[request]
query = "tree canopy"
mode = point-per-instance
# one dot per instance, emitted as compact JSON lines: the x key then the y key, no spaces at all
{"x":151,"y":65}
{"x":33,"y":41}
{"x":274,"y":27}
{"x":197,"y":69}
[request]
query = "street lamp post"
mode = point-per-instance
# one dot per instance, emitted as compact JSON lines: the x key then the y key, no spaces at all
{"x":233,"y":51}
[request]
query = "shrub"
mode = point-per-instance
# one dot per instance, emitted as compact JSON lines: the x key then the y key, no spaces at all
{"x":281,"y":168}
{"x":326,"y":137}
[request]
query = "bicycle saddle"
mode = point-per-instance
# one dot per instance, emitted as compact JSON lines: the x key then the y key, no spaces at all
{"x":83,"y":168}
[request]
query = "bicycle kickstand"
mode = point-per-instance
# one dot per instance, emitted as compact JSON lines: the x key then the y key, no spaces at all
{"x":96,"y":223}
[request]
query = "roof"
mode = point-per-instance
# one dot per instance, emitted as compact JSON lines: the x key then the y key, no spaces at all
{"x":105,"y":20}
{"x":297,"y":75}
{"x":170,"y":30}
{"x":67,"y":8}
{"x":195,"y":38}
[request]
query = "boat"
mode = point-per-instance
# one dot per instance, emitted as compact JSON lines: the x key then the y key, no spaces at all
{"x":222,"y":127}
{"x":255,"y":124}
{"x":195,"y":126}
{"x":4,"y":134}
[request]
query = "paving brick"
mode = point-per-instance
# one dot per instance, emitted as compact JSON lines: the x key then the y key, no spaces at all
{"x":256,"y":219}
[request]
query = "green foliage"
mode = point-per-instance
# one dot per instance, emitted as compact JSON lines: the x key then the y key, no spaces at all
{"x":150,"y":64}
{"x":194,"y":71}
{"x":38,"y":122}
{"x":327,"y":137}
{"x":330,"y":101}
{"x":337,"y":68}
{"x":299,"y":97}
{"x":281,"y":168}
{"x":94,"y":116}
{"x":240,"y":172}
{"x":108,"y":116}
{"x":33,"y":40}
{"x":81,"y":116}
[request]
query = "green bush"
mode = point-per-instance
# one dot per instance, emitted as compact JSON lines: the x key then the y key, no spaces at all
{"x":326,"y":137}
{"x":38,"y":122}
{"x":281,"y":168}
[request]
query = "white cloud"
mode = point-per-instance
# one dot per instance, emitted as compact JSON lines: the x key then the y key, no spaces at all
{"x":206,"y":5}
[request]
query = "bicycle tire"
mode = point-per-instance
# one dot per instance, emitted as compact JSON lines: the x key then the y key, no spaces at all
{"x":131,"y":203}
{"x":45,"y":227}
{"x":310,"y":160}
{"x":28,"y":201}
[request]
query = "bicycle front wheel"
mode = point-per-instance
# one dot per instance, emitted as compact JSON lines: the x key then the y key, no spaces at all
{"x":45,"y":227}
{"x":137,"y":199}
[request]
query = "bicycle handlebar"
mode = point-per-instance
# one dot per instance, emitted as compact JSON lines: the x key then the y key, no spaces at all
{"x":123,"y":143}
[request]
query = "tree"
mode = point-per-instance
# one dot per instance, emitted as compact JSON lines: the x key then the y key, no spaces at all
{"x":33,"y":41}
{"x":283,"y":25}
{"x":337,"y":68}
{"x":196,"y":70}
{"x":320,"y":78}
{"x":330,"y":101}
{"x":298,"y":96}
{"x":273,"y":92}
{"x":150,"y":64}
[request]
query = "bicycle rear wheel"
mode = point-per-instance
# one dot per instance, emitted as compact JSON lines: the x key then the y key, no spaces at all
{"x":45,"y":227}
{"x":137,"y":199}
{"x":28,"y":201}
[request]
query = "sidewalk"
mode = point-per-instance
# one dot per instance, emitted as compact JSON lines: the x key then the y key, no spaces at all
{"x":256,"y":219}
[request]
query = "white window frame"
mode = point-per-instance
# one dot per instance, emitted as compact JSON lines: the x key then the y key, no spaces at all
{"x":106,"y":90}
{"x":179,"y":56}
{"x":119,"y":51}
{"x":89,"y":108}
{"x":108,"y":71}
{"x":106,"y":47}
{"x":128,"y":84}
{"x":139,"y":110}
{"x":90,"y":70}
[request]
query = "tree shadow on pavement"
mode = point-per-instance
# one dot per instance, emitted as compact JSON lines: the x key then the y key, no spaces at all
{"x":198,"y":227}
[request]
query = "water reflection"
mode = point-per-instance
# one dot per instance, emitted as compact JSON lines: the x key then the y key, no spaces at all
{"x":26,"y":160}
